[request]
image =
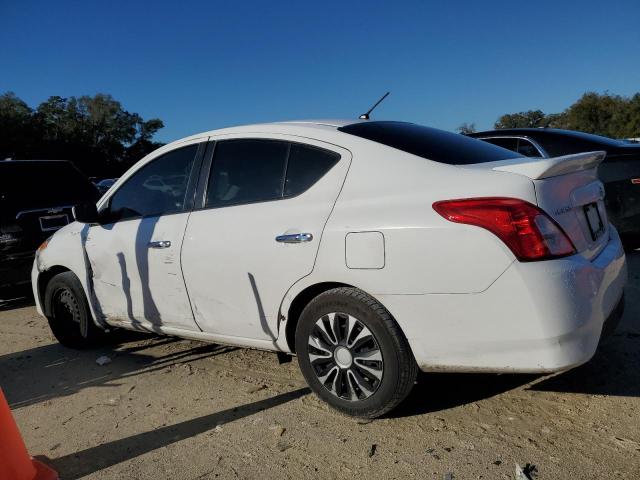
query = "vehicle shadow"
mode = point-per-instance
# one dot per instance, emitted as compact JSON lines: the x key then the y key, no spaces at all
{"x":93,"y":459}
{"x":614,"y":370}
{"x":51,"y":371}
{"x":434,"y":392}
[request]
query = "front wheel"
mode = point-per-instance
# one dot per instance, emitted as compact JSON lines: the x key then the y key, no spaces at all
{"x":68,"y":312}
{"x":352,"y":353}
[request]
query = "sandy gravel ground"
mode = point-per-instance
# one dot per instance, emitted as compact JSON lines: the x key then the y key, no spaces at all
{"x":168,"y":408}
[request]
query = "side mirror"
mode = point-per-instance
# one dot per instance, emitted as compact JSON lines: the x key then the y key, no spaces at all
{"x":86,"y":213}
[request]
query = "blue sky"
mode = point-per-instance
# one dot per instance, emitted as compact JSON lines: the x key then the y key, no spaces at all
{"x":205,"y":65}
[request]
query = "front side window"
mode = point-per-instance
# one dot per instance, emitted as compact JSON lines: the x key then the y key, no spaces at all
{"x":158,"y":188}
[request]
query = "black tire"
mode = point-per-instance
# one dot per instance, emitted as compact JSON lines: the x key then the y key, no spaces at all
{"x":397,"y":366}
{"x":68,"y":312}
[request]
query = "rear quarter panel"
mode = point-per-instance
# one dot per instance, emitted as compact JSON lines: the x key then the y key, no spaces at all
{"x":392,"y":192}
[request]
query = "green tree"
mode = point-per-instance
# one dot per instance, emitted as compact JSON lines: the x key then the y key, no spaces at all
{"x":96,"y":133}
{"x":466,"y":128}
{"x":528,"y":119}
{"x":605,"y":114}
{"x":600,"y":114}
{"x":16,"y":126}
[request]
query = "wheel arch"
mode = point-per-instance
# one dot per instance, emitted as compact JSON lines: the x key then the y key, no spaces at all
{"x":43,"y":280}
{"x":297,"y":305}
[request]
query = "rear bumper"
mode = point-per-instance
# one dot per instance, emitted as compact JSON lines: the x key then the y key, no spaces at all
{"x":537,"y":317}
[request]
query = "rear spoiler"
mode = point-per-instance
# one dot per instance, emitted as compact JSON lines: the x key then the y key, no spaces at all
{"x":537,"y":168}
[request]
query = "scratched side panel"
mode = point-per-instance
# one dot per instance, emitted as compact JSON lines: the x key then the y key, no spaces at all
{"x":138,"y":284}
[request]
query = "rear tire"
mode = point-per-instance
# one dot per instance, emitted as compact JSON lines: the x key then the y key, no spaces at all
{"x":353,"y":354}
{"x":68,"y":312}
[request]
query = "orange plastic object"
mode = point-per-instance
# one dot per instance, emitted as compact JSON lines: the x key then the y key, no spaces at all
{"x":15,"y":462}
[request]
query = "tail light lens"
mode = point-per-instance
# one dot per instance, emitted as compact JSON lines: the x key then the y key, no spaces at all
{"x":529,"y":232}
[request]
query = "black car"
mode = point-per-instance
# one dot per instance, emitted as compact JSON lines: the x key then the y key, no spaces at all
{"x":620,"y":171}
{"x":36,"y":197}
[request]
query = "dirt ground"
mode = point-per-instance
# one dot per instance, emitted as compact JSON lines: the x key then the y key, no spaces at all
{"x":169,"y":408}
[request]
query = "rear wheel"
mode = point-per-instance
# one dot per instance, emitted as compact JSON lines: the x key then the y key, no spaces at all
{"x":353,"y":354}
{"x":68,"y":312}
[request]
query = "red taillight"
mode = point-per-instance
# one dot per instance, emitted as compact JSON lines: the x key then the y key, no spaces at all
{"x":523,"y":227}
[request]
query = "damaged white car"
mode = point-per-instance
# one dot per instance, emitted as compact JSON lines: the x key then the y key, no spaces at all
{"x":370,"y":249}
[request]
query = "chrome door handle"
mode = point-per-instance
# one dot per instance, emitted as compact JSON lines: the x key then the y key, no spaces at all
{"x":160,"y":244}
{"x":294,"y":238}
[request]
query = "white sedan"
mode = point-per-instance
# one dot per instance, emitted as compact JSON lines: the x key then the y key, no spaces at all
{"x":370,"y":249}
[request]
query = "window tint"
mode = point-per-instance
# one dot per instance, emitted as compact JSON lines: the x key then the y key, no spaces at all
{"x":245,"y":171}
{"x":508,"y":143}
{"x":306,"y":166}
{"x":526,"y":148}
{"x":430,"y":143}
{"x":157,"y":188}
{"x":564,"y":142}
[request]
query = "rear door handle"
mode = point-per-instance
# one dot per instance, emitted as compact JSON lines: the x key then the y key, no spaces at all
{"x":294,"y":238}
{"x":160,"y":244}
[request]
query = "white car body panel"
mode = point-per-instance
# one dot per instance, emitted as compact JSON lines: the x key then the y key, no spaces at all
{"x":233,"y":266}
{"x":65,"y":249}
{"x":135,"y":283}
{"x":457,"y":292}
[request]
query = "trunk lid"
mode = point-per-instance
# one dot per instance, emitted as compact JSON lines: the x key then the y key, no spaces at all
{"x":567,"y":188}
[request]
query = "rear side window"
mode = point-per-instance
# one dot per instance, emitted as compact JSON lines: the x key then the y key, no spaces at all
{"x":528,"y":149}
{"x":246,"y":171}
{"x":430,"y":143}
{"x":306,"y":166}
{"x":508,"y":143}
{"x":520,"y":145}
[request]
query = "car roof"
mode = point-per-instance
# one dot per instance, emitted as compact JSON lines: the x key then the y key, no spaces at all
{"x":550,"y":132}
{"x":294,"y":127}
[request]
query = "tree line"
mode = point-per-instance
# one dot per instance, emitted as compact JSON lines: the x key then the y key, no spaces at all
{"x":94,"y":132}
{"x":614,"y":116}
{"x":103,"y":139}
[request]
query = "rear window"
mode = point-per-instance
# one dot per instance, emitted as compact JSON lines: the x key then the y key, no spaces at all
{"x":565,"y":142}
{"x":36,"y":184}
{"x":429,"y":143}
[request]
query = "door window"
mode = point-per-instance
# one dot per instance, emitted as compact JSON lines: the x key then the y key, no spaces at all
{"x":306,"y":166}
{"x":246,"y":171}
{"x":528,"y":149}
{"x":255,"y":170}
{"x":508,"y":143}
{"x":158,"y":188}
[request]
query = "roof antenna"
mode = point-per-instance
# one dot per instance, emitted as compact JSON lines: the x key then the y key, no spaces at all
{"x":365,"y":116}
